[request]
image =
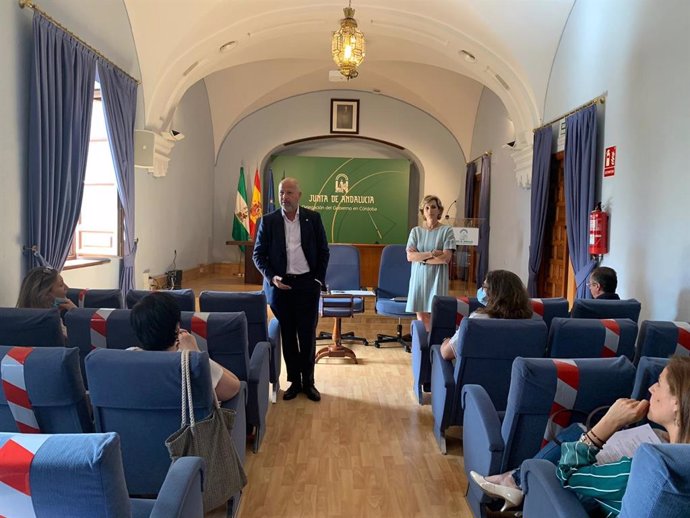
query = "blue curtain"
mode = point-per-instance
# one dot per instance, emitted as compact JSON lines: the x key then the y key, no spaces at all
{"x":541,"y":161}
{"x":61,"y":99}
{"x":469,"y":188}
{"x":580,"y":171}
{"x":463,"y":254}
{"x":120,"y":103}
{"x":484,"y":206}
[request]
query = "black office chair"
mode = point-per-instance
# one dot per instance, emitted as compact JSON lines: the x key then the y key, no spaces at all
{"x":391,"y":293}
{"x":343,"y":274}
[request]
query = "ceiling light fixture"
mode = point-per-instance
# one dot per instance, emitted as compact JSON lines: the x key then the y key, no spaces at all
{"x":348,"y":45}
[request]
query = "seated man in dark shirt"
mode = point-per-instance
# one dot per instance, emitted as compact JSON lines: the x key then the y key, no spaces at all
{"x":603,"y":282}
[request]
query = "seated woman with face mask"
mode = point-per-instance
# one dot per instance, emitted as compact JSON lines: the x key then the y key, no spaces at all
{"x":504,"y":296}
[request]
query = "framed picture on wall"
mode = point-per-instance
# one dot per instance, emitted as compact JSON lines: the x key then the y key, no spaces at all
{"x":345,"y":116}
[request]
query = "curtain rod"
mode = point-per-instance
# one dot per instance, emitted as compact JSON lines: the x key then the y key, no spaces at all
{"x":28,"y":3}
{"x":600,"y":99}
{"x":485,"y":153}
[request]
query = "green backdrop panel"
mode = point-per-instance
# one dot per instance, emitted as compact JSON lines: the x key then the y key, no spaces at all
{"x":361,"y":200}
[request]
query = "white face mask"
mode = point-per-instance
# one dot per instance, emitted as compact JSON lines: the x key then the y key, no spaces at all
{"x":482,"y":297}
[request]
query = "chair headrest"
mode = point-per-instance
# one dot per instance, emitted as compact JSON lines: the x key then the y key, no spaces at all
{"x":31,"y":327}
{"x":62,"y":475}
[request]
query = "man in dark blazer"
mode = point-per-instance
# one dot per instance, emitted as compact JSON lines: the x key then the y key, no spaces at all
{"x":291,"y":251}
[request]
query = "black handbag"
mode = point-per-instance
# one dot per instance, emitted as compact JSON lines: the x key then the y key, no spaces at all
{"x":211,"y":440}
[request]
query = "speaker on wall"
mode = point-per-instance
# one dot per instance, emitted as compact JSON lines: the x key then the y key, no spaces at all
{"x":143,"y":148}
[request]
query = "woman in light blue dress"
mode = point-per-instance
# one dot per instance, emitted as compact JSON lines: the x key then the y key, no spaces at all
{"x":430,"y":248}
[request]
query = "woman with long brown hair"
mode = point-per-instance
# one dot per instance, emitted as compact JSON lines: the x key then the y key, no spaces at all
{"x":506,"y":297}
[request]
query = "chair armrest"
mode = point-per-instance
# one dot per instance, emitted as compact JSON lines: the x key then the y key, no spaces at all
{"x":419,"y":335}
{"x":239,"y":429}
{"x":544,"y":494}
{"x":441,"y":369}
{"x":442,"y":387}
{"x":482,"y":441}
{"x":257,"y":384}
{"x":259,"y":363}
{"x":276,"y":349}
{"x":180,"y":494}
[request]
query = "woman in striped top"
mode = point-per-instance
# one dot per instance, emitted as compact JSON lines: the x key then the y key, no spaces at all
{"x":669,"y":406}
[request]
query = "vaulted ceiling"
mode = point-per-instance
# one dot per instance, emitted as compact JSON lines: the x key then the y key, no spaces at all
{"x":275,"y":49}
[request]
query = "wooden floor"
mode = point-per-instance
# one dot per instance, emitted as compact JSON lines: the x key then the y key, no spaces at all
{"x":366,"y":450}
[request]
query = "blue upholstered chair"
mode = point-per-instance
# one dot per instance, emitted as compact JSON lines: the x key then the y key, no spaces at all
{"x":223,"y":335}
{"x":81,"y":476}
{"x":96,"y":298}
{"x":89,"y":329}
{"x":662,"y":339}
{"x":391,"y":293}
{"x":597,"y":308}
{"x":343,"y":273}
{"x":545,"y":497}
{"x":486,"y":350}
{"x":659,"y":486}
{"x":31,"y":327}
{"x":592,"y":338}
{"x":647,"y":374}
{"x":549,"y":308}
{"x":496,"y":442}
{"x":659,"y":483}
{"x":259,"y":328}
{"x":45,"y":387}
{"x":184,"y":298}
{"x":138,"y":395}
{"x":446,"y":315}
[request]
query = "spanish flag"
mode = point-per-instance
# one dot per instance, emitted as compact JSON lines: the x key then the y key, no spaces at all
{"x":255,"y":211}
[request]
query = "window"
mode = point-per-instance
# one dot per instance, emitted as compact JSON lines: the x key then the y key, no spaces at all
{"x":99,"y":228}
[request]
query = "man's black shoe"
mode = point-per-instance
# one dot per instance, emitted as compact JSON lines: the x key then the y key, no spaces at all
{"x":292,"y":391}
{"x":312,"y":393}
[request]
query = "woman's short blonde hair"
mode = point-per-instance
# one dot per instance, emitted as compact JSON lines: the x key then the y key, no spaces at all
{"x":428,"y":199}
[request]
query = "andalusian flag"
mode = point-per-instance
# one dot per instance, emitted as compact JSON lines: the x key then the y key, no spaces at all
{"x":255,"y":211}
{"x":240,"y":223}
{"x":271,"y":197}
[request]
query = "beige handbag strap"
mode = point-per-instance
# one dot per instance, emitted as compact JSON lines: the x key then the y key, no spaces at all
{"x":186,"y":383}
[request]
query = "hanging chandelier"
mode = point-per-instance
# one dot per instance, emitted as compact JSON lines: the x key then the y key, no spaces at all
{"x":347,"y":45}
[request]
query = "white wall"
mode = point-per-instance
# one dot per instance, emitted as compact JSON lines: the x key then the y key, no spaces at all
{"x":104,"y":25}
{"x":637,"y":52}
{"x":174,"y":212}
{"x":441,"y":158}
{"x":510,"y":204}
{"x":15,"y":39}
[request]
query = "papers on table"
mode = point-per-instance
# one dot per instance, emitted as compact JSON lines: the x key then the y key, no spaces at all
{"x":624,"y":443}
{"x":354,"y":293}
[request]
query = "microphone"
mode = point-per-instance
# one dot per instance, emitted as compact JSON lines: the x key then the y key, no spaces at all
{"x":448,"y":211}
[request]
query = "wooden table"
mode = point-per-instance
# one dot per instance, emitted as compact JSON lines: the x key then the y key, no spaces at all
{"x":369,"y":261}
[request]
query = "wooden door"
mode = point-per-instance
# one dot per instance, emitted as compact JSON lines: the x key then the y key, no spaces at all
{"x":555,"y":272}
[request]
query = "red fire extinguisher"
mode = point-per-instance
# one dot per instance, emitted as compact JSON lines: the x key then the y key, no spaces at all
{"x":598,"y":231}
